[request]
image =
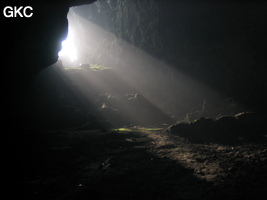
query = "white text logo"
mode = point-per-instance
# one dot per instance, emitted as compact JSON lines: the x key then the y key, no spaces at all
{"x":18,"y":12}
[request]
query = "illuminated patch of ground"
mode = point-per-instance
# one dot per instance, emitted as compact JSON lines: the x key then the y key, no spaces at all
{"x":139,"y":129}
{"x":95,"y":67}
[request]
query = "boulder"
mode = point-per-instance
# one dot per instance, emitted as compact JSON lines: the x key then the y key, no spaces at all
{"x":242,"y":127}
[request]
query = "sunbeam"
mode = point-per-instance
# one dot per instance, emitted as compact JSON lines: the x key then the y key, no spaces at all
{"x":125,"y":85}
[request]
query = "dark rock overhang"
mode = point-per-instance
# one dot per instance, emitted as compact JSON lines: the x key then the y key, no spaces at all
{"x":31,"y":44}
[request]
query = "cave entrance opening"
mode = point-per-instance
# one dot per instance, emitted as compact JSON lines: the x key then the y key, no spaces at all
{"x":68,"y":53}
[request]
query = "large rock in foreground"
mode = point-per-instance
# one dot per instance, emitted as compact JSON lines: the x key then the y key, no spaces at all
{"x":240,"y":128}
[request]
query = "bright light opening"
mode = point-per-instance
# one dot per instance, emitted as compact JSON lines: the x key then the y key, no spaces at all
{"x":68,"y":51}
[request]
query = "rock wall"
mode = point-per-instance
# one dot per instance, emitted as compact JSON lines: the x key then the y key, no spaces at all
{"x":28,"y":46}
{"x":219,"y":43}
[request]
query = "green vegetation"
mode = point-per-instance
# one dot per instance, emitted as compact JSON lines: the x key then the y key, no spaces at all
{"x":123,"y":129}
{"x":98,"y":67}
{"x":149,"y":129}
{"x":137,"y":129}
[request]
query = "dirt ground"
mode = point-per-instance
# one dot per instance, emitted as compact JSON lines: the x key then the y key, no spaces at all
{"x":135,"y":164}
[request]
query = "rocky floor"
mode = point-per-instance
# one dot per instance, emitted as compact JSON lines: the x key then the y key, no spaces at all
{"x":135,"y":164}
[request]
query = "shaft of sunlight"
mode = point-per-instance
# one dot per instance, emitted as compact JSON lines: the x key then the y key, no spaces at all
{"x":137,"y":87}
